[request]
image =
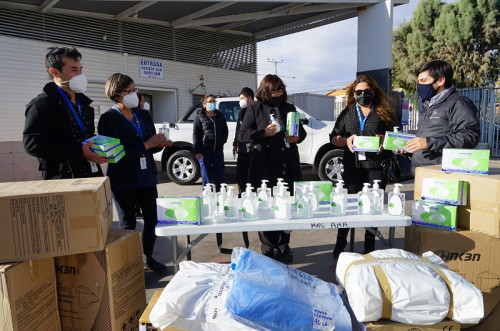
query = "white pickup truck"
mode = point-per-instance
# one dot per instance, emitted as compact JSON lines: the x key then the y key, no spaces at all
{"x":183,"y":168}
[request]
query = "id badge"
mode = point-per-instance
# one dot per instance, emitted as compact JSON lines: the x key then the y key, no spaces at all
{"x":143,"y":163}
{"x":361,"y":156}
{"x":93,"y":167}
{"x":287,"y":144}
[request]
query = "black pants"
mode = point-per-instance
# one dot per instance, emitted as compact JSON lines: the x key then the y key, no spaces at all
{"x":354,"y":179}
{"x":126,"y":201}
{"x":273,"y":239}
{"x":242,"y":166}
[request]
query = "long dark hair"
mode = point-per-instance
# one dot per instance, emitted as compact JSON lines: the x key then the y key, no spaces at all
{"x":380,"y":99}
{"x":268,"y":85}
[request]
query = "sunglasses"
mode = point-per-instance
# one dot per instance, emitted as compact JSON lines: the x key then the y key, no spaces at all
{"x":359,"y":92}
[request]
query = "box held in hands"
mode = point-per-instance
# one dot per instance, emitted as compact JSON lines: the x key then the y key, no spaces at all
{"x":366,"y":144}
{"x":292,"y":123}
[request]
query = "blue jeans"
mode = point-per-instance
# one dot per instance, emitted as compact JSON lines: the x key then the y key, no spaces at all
{"x":212,"y":162}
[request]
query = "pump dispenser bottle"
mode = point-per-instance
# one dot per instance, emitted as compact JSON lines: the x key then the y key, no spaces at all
{"x":303,"y":205}
{"x":209,"y":203}
{"x":165,"y":130}
{"x":396,"y":201}
{"x":364,"y":200}
{"x":338,"y":199}
{"x":377,"y":198}
{"x":276,"y":188}
{"x":313,"y":199}
{"x":249,"y":205}
{"x":230,"y":205}
{"x":275,"y":122}
{"x":282,"y":204}
{"x":396,"y":129}
{"x":221,"y":197}
{"x":264,"y":196}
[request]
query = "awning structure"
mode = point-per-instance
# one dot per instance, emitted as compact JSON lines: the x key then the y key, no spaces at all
{"x":258,"y":19}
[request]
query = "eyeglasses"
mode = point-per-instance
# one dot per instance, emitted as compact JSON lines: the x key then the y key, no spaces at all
{"x":131,"y":91}
{"x":359,"y":92}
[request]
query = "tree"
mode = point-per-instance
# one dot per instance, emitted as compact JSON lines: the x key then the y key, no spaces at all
{"x":465,"y":33}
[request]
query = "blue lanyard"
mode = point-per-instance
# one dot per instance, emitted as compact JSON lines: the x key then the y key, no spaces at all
{"x":363,"y":120}
{"x":70,"y":105}
{"x":136,"y":124}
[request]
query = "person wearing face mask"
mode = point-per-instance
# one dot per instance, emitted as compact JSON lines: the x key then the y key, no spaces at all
{"x":367,"y":113}
{"x":242,"y":149}
{"x":275,"y":154}
{"x":210,"y":133}
{"x":133,"y":179}
{"x":447,"y":120}
{"x":60,"y":119}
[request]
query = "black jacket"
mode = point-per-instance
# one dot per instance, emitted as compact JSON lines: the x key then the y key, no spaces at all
{"x":271,"y":158}
{"x":452,"y":122}
{"x":347,"y":124}
{"x":52,"y":135}
{"x":209,"y":132}
{"x":242,"y":147}
{"x":127,"y":174}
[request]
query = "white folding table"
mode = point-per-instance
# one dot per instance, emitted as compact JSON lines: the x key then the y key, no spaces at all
{"x":320,"y":221}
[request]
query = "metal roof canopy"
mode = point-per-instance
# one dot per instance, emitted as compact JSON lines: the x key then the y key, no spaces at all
{"x":258,"y":19}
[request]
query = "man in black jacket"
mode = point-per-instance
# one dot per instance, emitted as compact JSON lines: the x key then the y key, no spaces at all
{"x":447,"y":120}
{"x":60,"y":119}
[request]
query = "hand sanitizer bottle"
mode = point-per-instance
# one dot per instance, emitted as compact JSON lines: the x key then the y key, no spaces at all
{"x":396,"y":129}
{"x":313,"y":200}
{"x":275,"y":122}
{"x":264,"y":196}
{"x":276,"y":188}
{"x":282,"y":204}
{"x":364,"y":200}
{"x":249,"y":205}
{"x":230,"y":205}
{"x":221,"y":196}
{"x":166,"y":130}
{"x":377,"y":198}
{"x":303,"y":206}
{"x":208,"y":203}
{"x":396,"y":201}
{"x":338,"y":200}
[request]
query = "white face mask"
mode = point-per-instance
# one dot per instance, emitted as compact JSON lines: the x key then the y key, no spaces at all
{"x":146,"y":105}
{"x":77,"y":84}
{"x":131,"y":100}
{"x":243,"y":103}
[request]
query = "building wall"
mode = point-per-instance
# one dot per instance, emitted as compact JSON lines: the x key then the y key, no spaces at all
{"x":23,"y":75}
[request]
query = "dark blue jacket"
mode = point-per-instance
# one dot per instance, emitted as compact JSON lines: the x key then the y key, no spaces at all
{"x":127,"y":174}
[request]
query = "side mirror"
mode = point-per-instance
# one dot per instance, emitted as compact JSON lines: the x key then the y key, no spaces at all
{"x":173,"y":126}
{"x":304,"y":121}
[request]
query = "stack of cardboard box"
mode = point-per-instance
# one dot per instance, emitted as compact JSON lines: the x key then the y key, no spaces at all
{"x":61,"y":265}
{"x":473,"y":248}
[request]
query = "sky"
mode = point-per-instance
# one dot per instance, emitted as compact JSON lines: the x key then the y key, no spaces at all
{"x":321,"y":59}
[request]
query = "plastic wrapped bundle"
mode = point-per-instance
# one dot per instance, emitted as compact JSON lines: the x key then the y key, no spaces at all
{"x":271,"y":295}
{"x":398,"y":285}
{"x":194,"y":299}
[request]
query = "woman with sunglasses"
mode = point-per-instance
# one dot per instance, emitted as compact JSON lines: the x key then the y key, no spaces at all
{"x":367,"y":113}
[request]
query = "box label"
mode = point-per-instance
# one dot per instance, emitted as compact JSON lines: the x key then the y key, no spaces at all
{"x":179,"y":210}
{"x":474,"y":161}
{"x":366,"y":144}
{"x":451,"y":191}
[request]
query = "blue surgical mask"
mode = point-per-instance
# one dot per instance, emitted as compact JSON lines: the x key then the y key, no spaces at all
{"x":426,"y":91}
{"x":211,"y":106}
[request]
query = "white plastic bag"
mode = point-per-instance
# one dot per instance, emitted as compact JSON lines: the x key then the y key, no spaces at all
{"x":419,"y":288}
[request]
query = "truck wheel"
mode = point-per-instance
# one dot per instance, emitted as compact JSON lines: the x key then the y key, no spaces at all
{"x":183,"y":168}
{"x":331,"y":167}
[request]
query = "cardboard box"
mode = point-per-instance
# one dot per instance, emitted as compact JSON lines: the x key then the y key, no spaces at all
{"x":434,"y":214}
{"x":179,"y":210}
{"x":474,"y":161}
{"x":366,"y":144}
{"x":322,"y":190}
{"x":103,"y":145}
{"x":292,"y":123}
{"x":29,"y":299}
{"x":482,"y":211}
{"x":118,"y":154}
{"x":396,"y":140}
{"x":450,"y":191}
{"x":385,"y":325}
{"x":54,"y":217}
{"x":103,"y":290}
{"x":468,"y":253}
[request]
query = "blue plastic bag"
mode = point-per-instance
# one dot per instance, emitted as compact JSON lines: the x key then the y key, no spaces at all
{"x":267,"y":294}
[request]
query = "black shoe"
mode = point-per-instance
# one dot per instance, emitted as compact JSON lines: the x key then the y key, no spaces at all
{"x":336,"y":255}
{"x":286,"y":255}
{"x":154,"y":265}
{"x":269,"y":253}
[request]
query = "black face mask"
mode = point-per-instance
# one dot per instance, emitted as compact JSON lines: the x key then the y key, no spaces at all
{"x":276,"y":101}
{"x":364,"y":99}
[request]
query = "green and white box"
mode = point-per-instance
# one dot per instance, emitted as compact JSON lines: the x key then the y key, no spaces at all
{"x":103,"y":145}
{"x":118,"y":154}
{"x":396,"y":140}
{"x":434,"y":214}
{"x":179,"y":209}
{"x":322,"y":190}
{"x":450,"y":191}
{"x":366,"y":144}
{"x":471,"y":161}
{"x":292,"y":123}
